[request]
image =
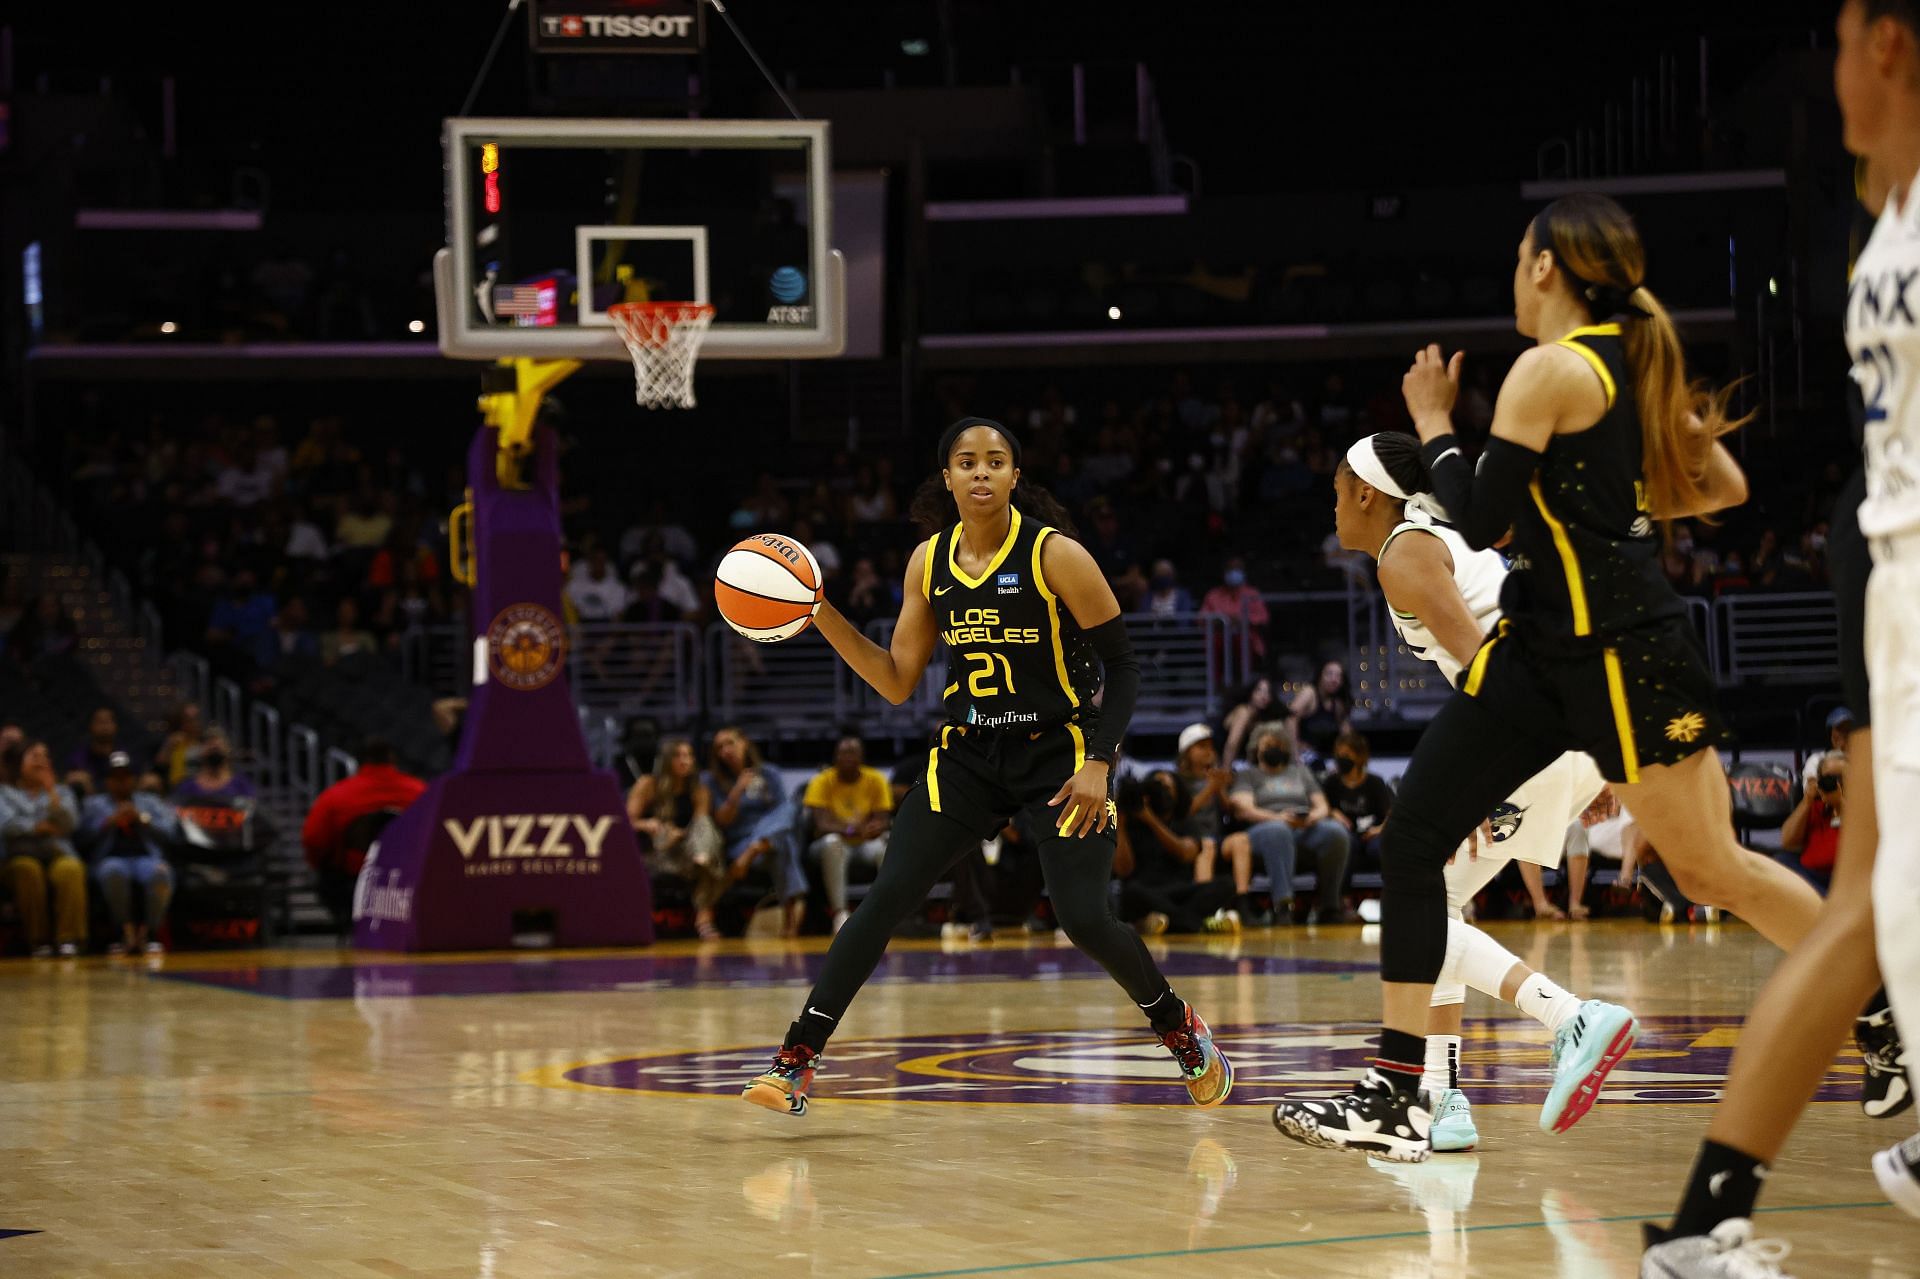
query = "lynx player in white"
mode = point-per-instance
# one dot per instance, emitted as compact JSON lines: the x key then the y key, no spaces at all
{"x":1445,"y":598}
{"x":1875,"y":79}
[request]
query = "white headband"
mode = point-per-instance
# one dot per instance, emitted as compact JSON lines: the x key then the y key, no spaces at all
{"x":1367,"y":465}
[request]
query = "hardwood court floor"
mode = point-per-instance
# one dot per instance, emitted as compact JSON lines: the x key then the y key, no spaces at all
{"x":985,"y":1112}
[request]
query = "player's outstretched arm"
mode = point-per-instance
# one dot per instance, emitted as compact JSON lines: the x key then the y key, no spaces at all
{"x":893,"y":672}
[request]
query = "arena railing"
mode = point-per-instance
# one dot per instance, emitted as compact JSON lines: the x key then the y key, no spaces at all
{"x":1785,"y":638}
{"x":226,"y":709}
{"x":336,"y":765}
{"x":264,"y":742}
{"x":649,"y":668}
{"x":192,"y":675}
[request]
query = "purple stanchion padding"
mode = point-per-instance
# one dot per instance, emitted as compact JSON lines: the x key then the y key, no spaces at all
{"x":523,"y":823}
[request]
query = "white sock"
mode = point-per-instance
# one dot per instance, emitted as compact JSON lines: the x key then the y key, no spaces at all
{"x":1443,"y":1063}
{"x":1545,"y":1002}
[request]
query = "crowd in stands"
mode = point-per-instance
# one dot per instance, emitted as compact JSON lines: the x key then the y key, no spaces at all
{"x":109,"y":822}
{"x":276,"y":551}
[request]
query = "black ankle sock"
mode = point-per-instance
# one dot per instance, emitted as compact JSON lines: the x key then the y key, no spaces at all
{"x":1167,"y":1013}
{"x":1402,"y":1059}
{"x":1724,"y":1185}
{"x":812,"y":1029}
{"x":1878,"y":1004}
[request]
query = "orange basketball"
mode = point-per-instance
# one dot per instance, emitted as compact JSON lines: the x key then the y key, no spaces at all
{"x":768,"y":587}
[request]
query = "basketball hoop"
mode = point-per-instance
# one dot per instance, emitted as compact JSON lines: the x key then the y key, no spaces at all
{"x":664,"y":339}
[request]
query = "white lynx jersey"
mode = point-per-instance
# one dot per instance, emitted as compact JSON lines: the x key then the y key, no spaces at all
{"x":1478,"y":574}
{"x":1883,"y":336}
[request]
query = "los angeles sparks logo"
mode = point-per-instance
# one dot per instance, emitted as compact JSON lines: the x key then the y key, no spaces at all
{"x":525,"y":646}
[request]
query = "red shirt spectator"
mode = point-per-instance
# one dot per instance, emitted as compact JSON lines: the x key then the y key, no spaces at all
{"x":377,"y":786}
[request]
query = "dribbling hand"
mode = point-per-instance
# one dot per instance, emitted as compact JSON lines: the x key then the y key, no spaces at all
{"x":1431,"y":386}
{"x":1085,"y":797}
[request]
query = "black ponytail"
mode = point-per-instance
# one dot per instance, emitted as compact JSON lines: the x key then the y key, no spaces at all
{"x":1400,"y":454}
{"x":933,"y":508}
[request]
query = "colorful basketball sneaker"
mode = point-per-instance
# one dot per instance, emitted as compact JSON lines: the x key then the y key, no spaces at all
{"x":1374,"y":1117}
{"x":1453,"y":1122}
{"x":1585,"y":1050}
{"x":1204,"y":1069}
{"x":1883,"y":1090}
{"x":785,"y":1085}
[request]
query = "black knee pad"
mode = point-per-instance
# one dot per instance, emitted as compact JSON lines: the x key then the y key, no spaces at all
{"x":1413,"y":902}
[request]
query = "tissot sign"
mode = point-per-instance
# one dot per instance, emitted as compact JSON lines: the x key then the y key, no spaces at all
{"x":616,"y":26}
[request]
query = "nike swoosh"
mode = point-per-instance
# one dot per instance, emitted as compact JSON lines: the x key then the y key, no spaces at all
{"x":941,"y":590}
{"x":817,"y":1013}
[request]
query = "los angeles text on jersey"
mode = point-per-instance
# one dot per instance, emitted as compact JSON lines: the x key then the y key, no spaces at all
{"x":982,"y":626}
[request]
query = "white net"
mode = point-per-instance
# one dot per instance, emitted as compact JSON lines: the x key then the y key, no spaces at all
{"x":664,"y":339}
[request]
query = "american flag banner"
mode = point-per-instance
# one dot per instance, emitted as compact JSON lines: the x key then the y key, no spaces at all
{"x":516,"y":299}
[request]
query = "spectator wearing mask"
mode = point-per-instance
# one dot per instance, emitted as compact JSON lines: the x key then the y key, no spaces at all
{"x":87,"y":766}
{"x":1810,"y":837}
{"x":36,"y":819}
{"x":755,"y":819}
{"x":125,"y":832}
{"x":1233,"y":598}
{"x":1165,"y":596}
{"x":672,"y":813}
{"x":213,"y":780}
{"x":1287,"y":815}
{"x":1361,"y":800}
{"x":851,"y":806}
{"x":347,"y":639}
{"x":187,"y":729}
{"x":332,"y":834}
{"x":1154,"y":863}
{"x":1206,"y":782}
{"x":1322,"y":710}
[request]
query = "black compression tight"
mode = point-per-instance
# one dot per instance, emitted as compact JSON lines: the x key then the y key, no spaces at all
{"x":1468,"y":760}
{"x":923,"y":847}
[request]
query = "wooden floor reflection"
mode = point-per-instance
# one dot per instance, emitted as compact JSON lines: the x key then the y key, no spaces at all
{"x":985,"y":1112}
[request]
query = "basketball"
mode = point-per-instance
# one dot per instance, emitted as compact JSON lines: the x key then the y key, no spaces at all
{"x":768,"y":587}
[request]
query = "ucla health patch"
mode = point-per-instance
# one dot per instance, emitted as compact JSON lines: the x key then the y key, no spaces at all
{"x":1008,"y":583}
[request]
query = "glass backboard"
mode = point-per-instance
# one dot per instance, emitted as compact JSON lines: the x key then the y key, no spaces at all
{"x":552,"y":221}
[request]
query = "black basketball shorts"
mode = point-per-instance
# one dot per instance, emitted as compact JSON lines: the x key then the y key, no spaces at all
{"x":1631,"y":700}
{"x":982,"y":778}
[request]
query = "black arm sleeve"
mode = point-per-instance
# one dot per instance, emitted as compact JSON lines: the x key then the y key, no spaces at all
{"x":1122,"y":688}
{"x":1481,"y":502}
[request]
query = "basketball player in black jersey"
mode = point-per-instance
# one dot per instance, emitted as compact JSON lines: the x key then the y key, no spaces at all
{"x":1596,"y":436}
{"x":1024,"y":612}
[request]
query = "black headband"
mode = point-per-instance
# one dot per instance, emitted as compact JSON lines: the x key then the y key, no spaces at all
{"x":966,"y":423}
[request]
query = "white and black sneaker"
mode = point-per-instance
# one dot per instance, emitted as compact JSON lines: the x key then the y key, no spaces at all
{"x":1897,"y":1169}
{"x":1375,"y":1117}
{"x":1730,"y":1252}
{"x":1883,"y":1090}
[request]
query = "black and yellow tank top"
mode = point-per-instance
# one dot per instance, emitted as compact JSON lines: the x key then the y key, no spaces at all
{"x":1587,"y":551}
{"x":1015,"y":656}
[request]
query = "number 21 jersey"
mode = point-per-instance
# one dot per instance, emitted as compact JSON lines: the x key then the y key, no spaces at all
{"x":1015,"y":656}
